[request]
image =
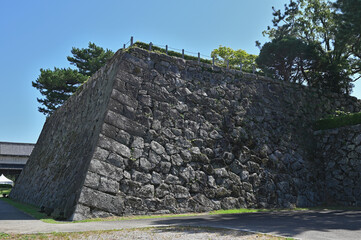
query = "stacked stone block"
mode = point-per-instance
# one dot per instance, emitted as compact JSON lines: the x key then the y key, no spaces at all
{"x":340,"y":153}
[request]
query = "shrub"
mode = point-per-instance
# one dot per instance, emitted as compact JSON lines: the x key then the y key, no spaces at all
{"x":186,"y":57}
{"x":170,"y":53}
{"x":339,"y":119}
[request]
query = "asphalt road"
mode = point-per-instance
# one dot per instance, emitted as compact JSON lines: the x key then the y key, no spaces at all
{"x":297,"y":224}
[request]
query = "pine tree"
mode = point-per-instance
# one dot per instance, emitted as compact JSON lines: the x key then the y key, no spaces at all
{"x":59,"y":84}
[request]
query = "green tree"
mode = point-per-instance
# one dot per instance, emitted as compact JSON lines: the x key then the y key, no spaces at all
{"x":59,"y":84}
{"x":89,"y":60}
{"x":222,"y":54}
{"x":288,"y":59}
{"x":315,"y":23}
{"x":349,"y":30}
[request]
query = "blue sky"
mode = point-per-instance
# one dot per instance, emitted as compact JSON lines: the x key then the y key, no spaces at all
{"x":40,"y":34}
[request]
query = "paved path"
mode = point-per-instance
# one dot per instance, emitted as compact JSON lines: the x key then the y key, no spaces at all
{"x":298,"y":224}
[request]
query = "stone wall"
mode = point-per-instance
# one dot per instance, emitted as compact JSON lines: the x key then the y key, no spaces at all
{"x":174,"y":136}
{"x":181,"y":137}
{"x":57,"y":166}
{"x":340,"y":154}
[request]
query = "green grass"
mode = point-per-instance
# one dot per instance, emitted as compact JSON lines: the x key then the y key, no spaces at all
{"x":35,"y":212}
{"x":5,"y":191}
{"x":253,"y":210}
{"x":4,"y":235}
{"x":186,"y":57}
{"x":216,"y":212}
{"x":250,"y":210}
{"x":170,"y":53}
{"x":240,"y":210}
{"x":30,"y":210}
{"x":336,"y":121}
{"x":141,"y":217}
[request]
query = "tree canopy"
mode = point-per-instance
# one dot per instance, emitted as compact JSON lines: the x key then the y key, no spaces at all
{"x":235,"y":57}
{"x":289,"y":59}
{"x":321,"y":54}
{"x":349,"y":29}
{"x":89,"y":60}
{"x":59,"y":84}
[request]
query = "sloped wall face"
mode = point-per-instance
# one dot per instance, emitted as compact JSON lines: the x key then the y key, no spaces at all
{"x":180,"y":136}
{"x":340,"y":154}
{"x":57,"y":166}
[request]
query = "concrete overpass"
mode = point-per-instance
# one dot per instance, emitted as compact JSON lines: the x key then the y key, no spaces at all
{"x":13,"y":157}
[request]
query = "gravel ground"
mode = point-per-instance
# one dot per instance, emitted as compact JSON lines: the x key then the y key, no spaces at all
{"x":164,"y":233}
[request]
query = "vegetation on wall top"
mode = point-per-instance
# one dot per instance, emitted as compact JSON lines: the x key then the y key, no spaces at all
{"x":222,"y":54}
{"x":217,"y":53}
{"x":170,"y":52}
{"x":339,"y":119}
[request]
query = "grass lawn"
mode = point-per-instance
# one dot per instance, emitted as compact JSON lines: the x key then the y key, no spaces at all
{"x":30,"y":210}
{"x":339,"y":120}
{"x":4,"y":191}
{"x":35,"y":212}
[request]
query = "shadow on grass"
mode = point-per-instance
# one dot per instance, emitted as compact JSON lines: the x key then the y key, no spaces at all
{"x":13,"y":210}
